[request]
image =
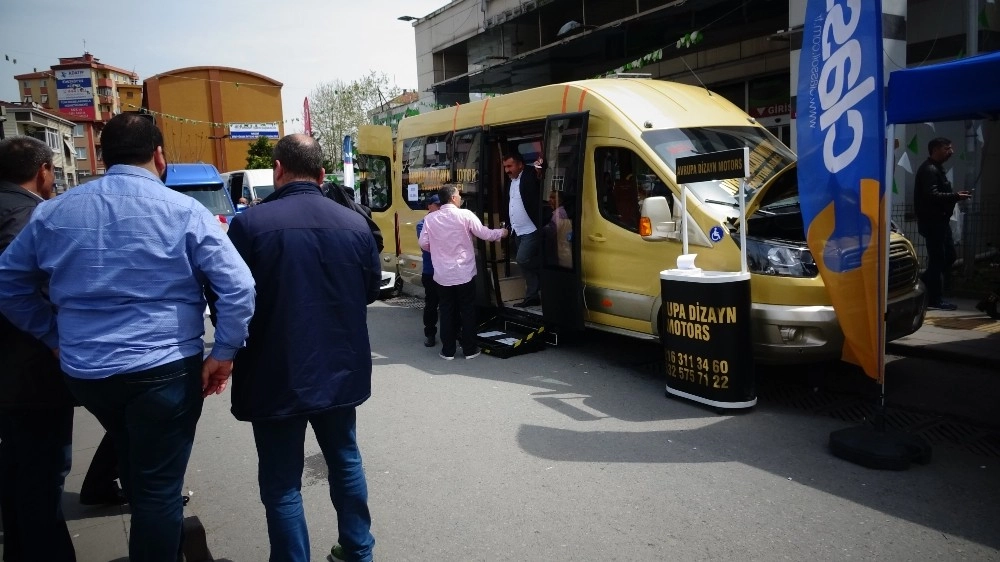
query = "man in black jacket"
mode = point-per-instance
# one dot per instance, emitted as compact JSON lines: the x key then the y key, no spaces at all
{"x":36,"y":408}
{"x":343,"y":195}
{"x":935,"y":203}
{"x":307,"y":359}
{"x":524,"y":210}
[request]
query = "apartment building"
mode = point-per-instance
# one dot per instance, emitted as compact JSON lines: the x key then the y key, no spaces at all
{"x":86,"y":92}
{"x":28,"y":119}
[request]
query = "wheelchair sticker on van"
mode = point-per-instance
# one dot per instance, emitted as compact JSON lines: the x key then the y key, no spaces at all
{"x":715,"y":235}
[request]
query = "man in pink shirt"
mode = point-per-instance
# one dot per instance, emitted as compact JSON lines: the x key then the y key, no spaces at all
{"x":447,"y":235}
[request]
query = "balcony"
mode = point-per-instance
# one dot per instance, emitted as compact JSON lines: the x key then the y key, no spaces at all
{"x":105,"y":116}
{"x":105,"y":82}
{"x":108,"y":100}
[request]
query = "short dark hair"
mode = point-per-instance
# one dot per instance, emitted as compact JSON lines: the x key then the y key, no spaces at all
{"x":446,"y":193}
{"x":936,"y":143}
{"x":300,"y":155}
{"x":21,"y":157}
{"x":130,"y":138}
{"x":515,"y":156}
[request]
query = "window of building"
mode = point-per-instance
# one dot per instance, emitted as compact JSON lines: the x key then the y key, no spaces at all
{"x":83,"y":174}
{"x":26,"y":84}
{"x":44,"y":98}
{"x":81,"y":153}
{"x":52,"y":139}
{"x":27,"y":99}
{"x":128,"y":95}
{"x":78,"y":131}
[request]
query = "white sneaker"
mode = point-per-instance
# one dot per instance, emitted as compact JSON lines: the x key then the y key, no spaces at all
{"x":445,"y":357}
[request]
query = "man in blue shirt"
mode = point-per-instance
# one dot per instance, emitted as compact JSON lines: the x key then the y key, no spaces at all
{"x":127,"y":262}
{"x":431,"y":299}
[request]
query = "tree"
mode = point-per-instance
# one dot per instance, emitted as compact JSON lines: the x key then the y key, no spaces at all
{"x":259,"y":154}
{"x":338,"y":108}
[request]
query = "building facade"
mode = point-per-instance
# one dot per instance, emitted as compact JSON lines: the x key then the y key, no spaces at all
{"x":27,"y":119}
{"x":88,"y":93}
{"x":212,"y":114}
{"x":745,"y":50}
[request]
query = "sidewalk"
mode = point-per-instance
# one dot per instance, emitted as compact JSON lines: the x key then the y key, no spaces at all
{"x":965,"y":337}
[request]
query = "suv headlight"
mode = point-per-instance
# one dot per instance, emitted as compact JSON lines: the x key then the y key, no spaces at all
{"x":770,"y":257}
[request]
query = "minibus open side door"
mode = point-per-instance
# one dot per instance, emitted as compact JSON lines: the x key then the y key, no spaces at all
{"x":562,"y":180}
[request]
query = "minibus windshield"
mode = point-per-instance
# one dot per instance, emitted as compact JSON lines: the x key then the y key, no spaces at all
{"x":767,"y":157}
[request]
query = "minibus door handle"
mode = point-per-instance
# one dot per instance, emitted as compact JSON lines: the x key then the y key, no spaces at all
{"x":597,"y":237}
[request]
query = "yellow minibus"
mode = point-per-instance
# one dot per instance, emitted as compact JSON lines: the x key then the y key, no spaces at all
{"x":609,"y":147}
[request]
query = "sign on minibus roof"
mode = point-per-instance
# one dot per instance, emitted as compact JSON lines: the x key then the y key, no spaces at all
{"x":722,"y":165}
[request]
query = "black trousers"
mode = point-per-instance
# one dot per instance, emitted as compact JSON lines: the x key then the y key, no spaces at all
{"x":99,"y":483}
{"x":35,"y":456}
{"x":431,"y":302}
{"x":460,"y":299}
{"x":940,"y":257}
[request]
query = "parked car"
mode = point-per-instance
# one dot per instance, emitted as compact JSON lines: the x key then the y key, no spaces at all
{"x":204,"y":183}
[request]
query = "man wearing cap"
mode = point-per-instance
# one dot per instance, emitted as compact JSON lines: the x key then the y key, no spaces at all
{"x":447,"y":235}
{"x":431,"y":299}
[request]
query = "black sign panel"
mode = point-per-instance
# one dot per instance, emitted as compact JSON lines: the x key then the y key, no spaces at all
{"x":707,"y":338}
{"x":723,"y":165}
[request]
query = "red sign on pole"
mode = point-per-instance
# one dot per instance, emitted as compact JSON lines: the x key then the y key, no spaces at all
{"x":306,"y":117}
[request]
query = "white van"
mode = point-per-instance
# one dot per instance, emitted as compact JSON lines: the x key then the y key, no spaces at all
{"x":251,"y":185}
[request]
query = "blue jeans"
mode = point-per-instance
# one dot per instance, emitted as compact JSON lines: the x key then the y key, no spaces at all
{"x":281,"y":455}
{"x":529,"y":258}
{"x":151,"y":415}
{"x":35,"y":454}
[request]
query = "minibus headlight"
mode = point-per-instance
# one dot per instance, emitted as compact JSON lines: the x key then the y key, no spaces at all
{"x":779,"y":258}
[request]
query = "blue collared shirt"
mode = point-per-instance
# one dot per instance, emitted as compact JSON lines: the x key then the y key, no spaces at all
{"x":127,"y":261}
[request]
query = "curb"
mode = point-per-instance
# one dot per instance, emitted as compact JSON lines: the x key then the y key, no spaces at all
{"x":957,"y":357}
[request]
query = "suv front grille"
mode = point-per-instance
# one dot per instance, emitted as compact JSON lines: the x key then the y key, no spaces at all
{"x":903,"y":267}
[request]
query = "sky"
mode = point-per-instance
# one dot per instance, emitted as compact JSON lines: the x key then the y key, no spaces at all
{"x":300,"y":43}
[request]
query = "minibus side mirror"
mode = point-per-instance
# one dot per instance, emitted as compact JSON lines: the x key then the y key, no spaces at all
{"x":657,"y":222}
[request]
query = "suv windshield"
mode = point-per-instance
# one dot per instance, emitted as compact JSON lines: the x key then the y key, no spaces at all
{"x":767,"y":157}
{"x":211,"y":196}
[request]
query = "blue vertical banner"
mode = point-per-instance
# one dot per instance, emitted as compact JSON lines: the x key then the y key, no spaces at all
{"x":349,"y":163}
{"x":841,"y":166}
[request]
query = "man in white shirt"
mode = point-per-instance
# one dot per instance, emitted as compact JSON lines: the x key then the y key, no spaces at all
{"x":524,"y":210}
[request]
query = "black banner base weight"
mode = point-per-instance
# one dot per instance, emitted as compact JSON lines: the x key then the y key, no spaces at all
{"x":882,"y":450}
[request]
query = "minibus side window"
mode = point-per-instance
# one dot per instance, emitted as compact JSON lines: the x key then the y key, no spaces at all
{"x":623,"y":181}
{"x":425,"y":168}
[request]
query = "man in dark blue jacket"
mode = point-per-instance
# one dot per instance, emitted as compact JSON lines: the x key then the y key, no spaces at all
{"x":307,"y":358}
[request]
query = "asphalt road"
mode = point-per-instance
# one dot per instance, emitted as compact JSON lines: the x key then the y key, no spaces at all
{"x":574,"y":453}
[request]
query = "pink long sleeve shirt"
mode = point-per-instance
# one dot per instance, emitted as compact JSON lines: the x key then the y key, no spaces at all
{"x":447,"y":235}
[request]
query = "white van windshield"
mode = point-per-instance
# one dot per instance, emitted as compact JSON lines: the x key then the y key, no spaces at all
{"x":264,"y":191}
{"x":767,"y":157}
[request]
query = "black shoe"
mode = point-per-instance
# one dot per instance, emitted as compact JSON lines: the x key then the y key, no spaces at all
{"x":430,"y":342}
{"x":112,"y":497}
{"x":535,"y":301}
{"x":941,"y":305}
